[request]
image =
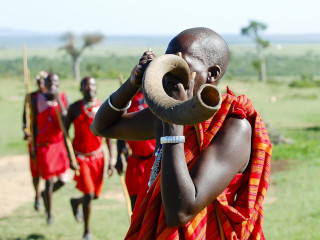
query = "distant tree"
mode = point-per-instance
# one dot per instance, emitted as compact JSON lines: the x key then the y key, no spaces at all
{"x":75,"y":51}
{"x":253,"y":30}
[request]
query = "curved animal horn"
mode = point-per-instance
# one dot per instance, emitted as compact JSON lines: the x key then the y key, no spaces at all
{"x":195,"y":110}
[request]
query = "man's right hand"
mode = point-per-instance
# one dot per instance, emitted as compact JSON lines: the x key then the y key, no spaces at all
{"x":138,"y":71}
{"x":74,"y":167}
{"x":27,"y":135}
{"x":119,"y":165}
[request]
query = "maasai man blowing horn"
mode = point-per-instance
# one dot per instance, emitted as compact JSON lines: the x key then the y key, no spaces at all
{"x":208,"y":180}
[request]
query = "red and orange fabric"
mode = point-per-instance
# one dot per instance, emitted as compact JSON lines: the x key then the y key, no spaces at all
{"x":239,"y":207}
{"x":142,"y":152}
{"x":52,"y":154}
{"x":88,"y":152}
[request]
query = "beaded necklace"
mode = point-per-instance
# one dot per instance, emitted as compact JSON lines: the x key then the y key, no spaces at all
{"x":90,"y":108}
{"x":156,"y":166}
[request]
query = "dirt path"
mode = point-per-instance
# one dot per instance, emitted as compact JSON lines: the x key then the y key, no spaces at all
{"x":15,"y":183}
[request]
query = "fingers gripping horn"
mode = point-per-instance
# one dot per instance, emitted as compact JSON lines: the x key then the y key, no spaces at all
{"x":201,"y":107}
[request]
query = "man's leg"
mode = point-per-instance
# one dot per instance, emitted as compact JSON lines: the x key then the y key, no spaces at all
{"x":48,"y":200}
{"x":57,"y":185}
{"x":75,"y":205}
{"x":35,"y":182}
{"x":86,"y":206}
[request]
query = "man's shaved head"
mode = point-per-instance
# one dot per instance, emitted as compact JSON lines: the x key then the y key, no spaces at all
{"x":202,"y":44}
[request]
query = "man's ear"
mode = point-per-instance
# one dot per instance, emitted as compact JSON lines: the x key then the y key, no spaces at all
{"x":214,"y":73}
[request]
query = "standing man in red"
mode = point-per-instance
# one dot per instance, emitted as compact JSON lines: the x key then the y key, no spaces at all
{"x":31,"y":136}
{"x":88,"y":150}
{"x":51,"y":151}
{"x":141,"y":154}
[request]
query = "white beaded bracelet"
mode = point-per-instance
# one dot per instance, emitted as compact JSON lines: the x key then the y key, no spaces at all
{"x":172,"y":139}
{"x":118,"y":109}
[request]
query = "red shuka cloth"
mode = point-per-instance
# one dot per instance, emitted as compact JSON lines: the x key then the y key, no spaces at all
{"x":34,"y":167}
{"x":88,"y":152}
{"x":52,"y":154}
{"x":241,"y":218}
{"x":143,"y":149}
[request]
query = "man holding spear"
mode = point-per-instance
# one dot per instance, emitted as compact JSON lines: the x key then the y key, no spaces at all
{"x":88,"y":151}
{"x":30,"y":130}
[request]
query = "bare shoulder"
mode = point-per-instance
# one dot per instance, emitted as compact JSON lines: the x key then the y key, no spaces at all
{"x":232,"y":143}
{"x":74,"y":109}
{"x":235,"y":125}
{"x":74,"y":105}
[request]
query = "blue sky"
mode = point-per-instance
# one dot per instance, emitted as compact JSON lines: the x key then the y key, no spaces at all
{"x":126,"y":17}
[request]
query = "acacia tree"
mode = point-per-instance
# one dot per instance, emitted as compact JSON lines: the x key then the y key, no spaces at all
{"x":253,"y":30}
{"x":75,"y":51}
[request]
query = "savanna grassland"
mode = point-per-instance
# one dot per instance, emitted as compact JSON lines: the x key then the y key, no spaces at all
{"x":289,"y":104}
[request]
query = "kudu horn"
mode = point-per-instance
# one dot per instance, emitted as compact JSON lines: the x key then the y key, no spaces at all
{"x":195,"y":110}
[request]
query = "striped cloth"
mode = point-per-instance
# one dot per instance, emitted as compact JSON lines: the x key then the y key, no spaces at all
{"x":239,"y":208}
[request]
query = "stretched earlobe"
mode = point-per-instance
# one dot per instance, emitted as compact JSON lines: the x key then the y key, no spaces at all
{"x":213,"y":74}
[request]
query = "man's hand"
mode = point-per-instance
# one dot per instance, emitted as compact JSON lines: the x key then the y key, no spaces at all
{"x":138,"y":71}
{"x":110,"y":170}
{"x":174,"y":88}
{"x":27,"y":135}
{"x":74,"y":167}
{"x":119,"y":165}
{"x":55,"y":92}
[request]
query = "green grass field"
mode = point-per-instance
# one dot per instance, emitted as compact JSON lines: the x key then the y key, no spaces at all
{"x":276,"y":49}
{"x":109,"y":219}
{"x":293,"y":212}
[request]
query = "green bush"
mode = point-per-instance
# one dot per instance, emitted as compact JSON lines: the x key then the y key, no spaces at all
{"x":304,"y":83}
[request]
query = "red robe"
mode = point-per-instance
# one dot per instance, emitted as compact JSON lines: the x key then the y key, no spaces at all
{"x":239,"y":208}
{"x":52,"y":154}
{"x":88,"y":151}
{"x":142,"y":152}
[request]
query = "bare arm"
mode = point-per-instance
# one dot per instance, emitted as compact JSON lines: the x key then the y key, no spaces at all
{"x":24,"y":121}
{"x":73,"y":112}
{"x":185,"y":194}
{"x":110,"y":123}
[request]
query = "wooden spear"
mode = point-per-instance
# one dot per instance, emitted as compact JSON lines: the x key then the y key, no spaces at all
{"x":27,"y":107}
{"x":68,"y":142}
{"x":126,"y":195}
{"x":120,"y":79}
{"x":123,"y":183}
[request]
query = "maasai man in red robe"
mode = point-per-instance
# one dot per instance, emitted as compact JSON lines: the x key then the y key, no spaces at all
{"x":141,"y":154}
{"x":51,"y":151}
{"x":88,"y":150}
{"x":213,"y":185}
{"x":31,"y":136}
